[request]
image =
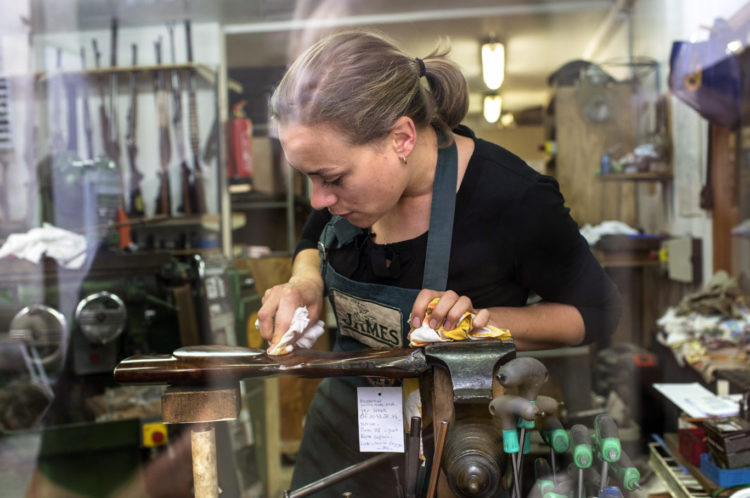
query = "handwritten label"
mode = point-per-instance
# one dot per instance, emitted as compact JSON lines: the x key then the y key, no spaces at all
{"x":381,"y":426}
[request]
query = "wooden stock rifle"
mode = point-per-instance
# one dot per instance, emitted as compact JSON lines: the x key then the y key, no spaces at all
{"x":113,"y":144}
{"x":136,"y":196}
{"x":163,"y":200}
{"x":198,"y":181}
{"x":178,"y":129}
{"x":87,"y":128}
{"x":103,"y":118}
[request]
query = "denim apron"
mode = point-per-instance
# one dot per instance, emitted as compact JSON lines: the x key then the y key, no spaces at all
{"x":368,"y":316}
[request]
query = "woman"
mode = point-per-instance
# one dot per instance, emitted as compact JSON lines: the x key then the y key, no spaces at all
{"x":410,"y":206}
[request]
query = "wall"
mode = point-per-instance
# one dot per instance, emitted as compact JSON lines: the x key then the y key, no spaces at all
{"x":206,"y":49}
{"x":523,"y":141}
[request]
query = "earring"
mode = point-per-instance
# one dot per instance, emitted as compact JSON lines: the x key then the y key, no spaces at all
{"x":404,"y":159}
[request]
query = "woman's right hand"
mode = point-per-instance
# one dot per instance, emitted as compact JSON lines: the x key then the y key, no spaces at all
{"x":305,"y":288}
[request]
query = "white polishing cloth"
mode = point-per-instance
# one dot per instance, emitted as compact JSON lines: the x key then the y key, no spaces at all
{"x":68,"y":248}
{"x":300,"y":333}
{"x":425,"y":333}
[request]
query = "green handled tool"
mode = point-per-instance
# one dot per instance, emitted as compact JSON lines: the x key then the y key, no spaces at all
{"x":626,"y":473}
{"x":608,"y":445}
{"x":507,"y":408}
{"x":551,"y":429}
{"x":583,"y":455}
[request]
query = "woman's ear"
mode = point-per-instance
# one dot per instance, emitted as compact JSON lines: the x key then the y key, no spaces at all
{"x":404,"y":136}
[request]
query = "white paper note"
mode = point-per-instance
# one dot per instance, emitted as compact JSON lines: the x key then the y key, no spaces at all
{"x":697,"y":401}
{"x":381,"y":426}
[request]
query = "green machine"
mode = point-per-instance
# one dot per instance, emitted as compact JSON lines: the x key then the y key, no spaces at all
{"x":61,"y":334}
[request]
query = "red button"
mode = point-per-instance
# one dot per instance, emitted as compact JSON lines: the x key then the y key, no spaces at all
{"x":157,"y":437}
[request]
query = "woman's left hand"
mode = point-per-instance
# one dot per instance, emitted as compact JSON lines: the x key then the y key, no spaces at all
{"x":448,"y":311}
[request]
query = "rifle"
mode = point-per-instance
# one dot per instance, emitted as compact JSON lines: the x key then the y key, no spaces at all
{"x":71,"y":92}
{"x":136,"y":196}
{"x":198,"y":188}
{"x":103,"y":119}
{"x":58,"y":140}
{"x":86,"y":111}
{"x":113,"y":151}
{"x":50,"y":167}
{"x":179,"y":133}
{"x":163,"y":200}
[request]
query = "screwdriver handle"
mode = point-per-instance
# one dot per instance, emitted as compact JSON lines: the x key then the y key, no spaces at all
{"x":525,"y":423}
{"x":526,"y":373}
{"x":582,"y":453}
{"x":507,"y":408}
{"x":608,"y":438}
{"x":547,"y":404}
{"x":543,"y":475}
{"x":554,"y":434}
{"x":625,"y":472}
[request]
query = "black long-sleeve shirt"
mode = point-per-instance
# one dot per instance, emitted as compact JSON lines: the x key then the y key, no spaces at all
{"x":512,"y":235}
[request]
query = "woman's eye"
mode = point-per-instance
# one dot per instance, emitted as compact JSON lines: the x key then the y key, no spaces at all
{"x":335,"y":181}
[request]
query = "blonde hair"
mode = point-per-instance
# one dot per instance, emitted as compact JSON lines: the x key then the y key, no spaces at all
{"x":360,"y":83}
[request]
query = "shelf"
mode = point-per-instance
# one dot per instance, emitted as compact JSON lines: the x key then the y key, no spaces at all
{"x":203,"y":70}
{"x":244,"y":206}
{"x":635,"y":177}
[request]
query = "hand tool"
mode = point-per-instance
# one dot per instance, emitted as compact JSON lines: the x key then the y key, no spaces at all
{"x":611,"y":492}
{"x":438,"y":456}
{"x":552,"y":430}
{"x":547,"y":488}
{"x":528,"y":375}
{"x":508,"y":408}
{"x":582,"y":453}
{"x":626,"y":473}
{"x":542,"y":474}
{"x":339,"y":476}
{"x":399,"y":487}
{"x":607,"y":443}
{"x":411,"y":457}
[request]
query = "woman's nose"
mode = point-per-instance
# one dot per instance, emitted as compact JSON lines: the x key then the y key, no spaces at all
{"x":321,"y":198}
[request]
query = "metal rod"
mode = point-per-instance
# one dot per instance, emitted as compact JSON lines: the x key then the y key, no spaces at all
{"x":605,"y":469}
{"x":435,"y":473}
{"x":521,"y":442}
{"x":552,"y":463}
{"x":411,"y":457}
{"x":399,"y":487}
{"x":337,"y":476}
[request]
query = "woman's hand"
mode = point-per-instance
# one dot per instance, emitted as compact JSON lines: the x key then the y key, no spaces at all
{"x":448,"y":311}
{"x":305,"y":288}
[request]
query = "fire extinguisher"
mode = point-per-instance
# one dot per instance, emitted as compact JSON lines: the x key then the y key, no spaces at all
{"x":240,"y":162}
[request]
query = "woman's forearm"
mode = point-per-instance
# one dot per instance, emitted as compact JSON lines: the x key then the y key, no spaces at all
{"x":307,"y":265}
{"x":541,"y":326}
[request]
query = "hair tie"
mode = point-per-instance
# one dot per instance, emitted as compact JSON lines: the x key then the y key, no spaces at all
{"x":422,"y":69}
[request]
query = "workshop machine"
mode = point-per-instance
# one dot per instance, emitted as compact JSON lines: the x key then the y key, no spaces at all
{"x":62,"y":332}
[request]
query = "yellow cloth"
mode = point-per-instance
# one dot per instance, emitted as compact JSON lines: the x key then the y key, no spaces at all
{"x":426,"y":335}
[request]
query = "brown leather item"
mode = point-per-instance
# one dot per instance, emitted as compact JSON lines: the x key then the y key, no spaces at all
{"x":226,"y":365}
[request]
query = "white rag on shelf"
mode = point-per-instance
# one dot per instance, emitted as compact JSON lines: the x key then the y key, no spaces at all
{"x":68,"y":248}
{"x":300,"y":333}
{"x":592,"y":234}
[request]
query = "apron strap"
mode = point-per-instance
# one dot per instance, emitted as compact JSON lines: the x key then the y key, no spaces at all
{"x":440,"y":234}
{"x":337,"y":233}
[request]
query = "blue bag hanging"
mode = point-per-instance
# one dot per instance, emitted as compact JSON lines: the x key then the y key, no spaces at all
{"x":707,"y":77}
